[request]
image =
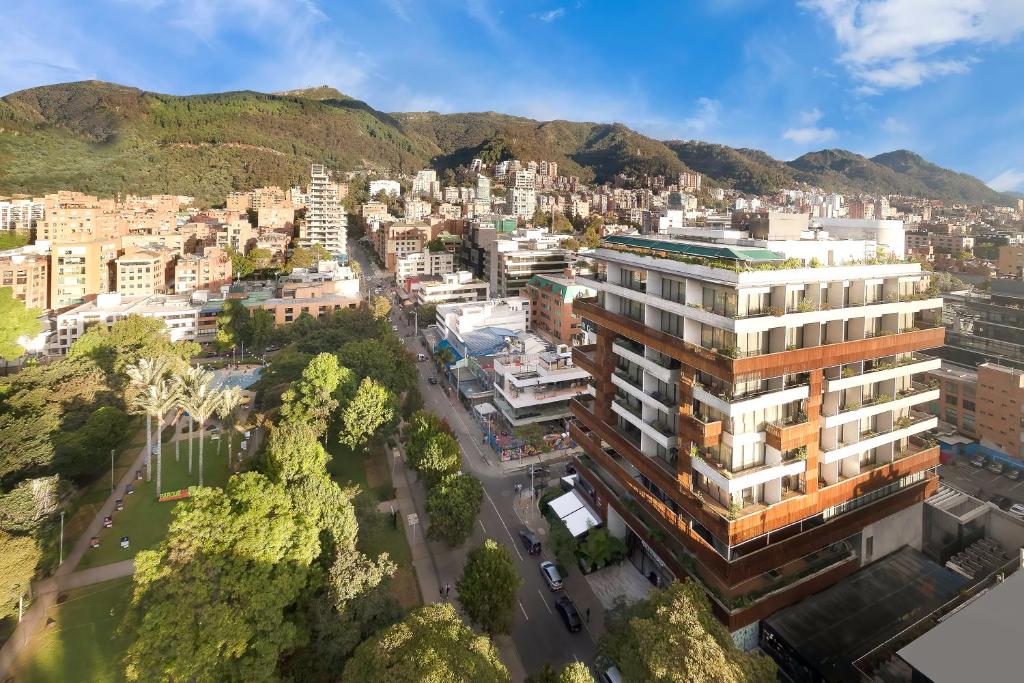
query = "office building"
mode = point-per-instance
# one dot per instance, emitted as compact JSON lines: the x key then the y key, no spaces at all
{"x":510,"y":267}
{"x":483,"y":188}
{"x":755,"y":420}
{"x":985,"y":327}
{"x":326,"y":223}
{"x":458,"y":287}
{"x":551,"y":314}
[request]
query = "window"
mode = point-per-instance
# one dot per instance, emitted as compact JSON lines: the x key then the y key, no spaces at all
{"x":672,"y":323}
{"x":951,"y":400}
{"x":631,"y":309}
{"x":673,"y":290}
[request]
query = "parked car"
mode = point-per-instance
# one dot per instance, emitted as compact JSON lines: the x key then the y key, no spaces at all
{"x":432,"y":380}
{"x":611,"y":675}
{"x":977,"y":461}
{"x":1017,"y":510}
{"x":551,"y":576}
{"x":1001,"y":502}
{"x":1013,"y":474}
{"x":530,"y":541}
{"x":570,"y":615}
{"x":537,"y":470}
{"x":996,"y":467}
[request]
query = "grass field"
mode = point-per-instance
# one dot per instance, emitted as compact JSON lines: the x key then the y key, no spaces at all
{"x":83,"y":644}
{"x":144,"y":520}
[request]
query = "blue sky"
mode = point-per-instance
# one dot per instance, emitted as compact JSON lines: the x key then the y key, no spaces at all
{"x":940,"y":77}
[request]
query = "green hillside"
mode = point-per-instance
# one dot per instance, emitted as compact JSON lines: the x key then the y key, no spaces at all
{"x":106,"y":139}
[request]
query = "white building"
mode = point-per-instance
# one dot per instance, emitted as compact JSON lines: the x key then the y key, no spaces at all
{"x":483,"y":188}
{"x":326,"y":223}
{"x":179,"y":312}
{"x":459,"y":287}
{"x":531,"y":388}
{"x":20,"y":213}
{"x":425,"y":183}
{"x":455,"y":321}
{"x":423,"y":263}
{"x":522,"y":197}
{"x":416,"y":209}
{"x":391,"y":188}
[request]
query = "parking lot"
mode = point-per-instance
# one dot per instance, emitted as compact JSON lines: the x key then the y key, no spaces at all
{"x":980,"y":482}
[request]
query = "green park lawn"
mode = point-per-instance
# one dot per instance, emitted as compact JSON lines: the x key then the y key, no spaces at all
{"x":83,"y":644}
{"x":144,"y":520}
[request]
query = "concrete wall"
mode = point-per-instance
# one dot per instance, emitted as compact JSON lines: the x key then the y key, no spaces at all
{"x":1005,"y":529}
{"x":906,"y":527}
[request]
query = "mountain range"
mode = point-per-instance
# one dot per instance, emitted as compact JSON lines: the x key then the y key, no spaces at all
{"x":106,"y":138}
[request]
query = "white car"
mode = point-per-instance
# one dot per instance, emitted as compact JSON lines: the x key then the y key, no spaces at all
{"x":1017,"y":510}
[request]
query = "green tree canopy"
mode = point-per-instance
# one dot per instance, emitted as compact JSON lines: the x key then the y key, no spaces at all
{"x":214,"y":603}
{"x":311,"y":398}
{"x":440,"y":457}
{"x":302,"y":257}
{"x":16,"y":321}
{"x":453,"y":504}
{"x":19,"y":556}
{"x":240,"y":265}
{"x":574,"y":672}
{"x":600,"y":547}
{"x":370,"y":408}
{"x":261,"y":328}
{"x":426,"y":315}
{"x":431,"y":645}
{"x":672,"y":637}
{"x":128,"y":340}
{"x":379,"y":306}
{"x":488,"y":587}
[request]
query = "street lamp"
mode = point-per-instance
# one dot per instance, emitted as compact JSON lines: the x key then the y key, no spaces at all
{"x":61,"y":560}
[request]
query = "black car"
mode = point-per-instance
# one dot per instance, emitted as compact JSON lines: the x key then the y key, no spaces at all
{"x":1001,"y":502}
{"x":570,"y":616}
{"x":530,"y":541}
{"x":432,"y":380}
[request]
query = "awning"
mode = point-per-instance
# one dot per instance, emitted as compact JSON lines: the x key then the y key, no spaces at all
{"x":954,"y":440}
{"x":574,"y":513}
{"x":485,"y":409}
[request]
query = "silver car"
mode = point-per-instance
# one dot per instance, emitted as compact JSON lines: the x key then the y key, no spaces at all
{"x":551,"y":576}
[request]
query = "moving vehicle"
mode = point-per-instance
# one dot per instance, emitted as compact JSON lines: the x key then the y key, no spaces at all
{"x":551,"y":576}
{"x":537,"y":470}
{"x":1017,"y":510}
{"x":421,"y":357}
{"x":570,"y":615}
{"x":530,"y":541}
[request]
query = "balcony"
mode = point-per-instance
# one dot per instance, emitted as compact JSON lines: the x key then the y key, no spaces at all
{"x":695,"y":428}
{"x":879,"y":371}
{"x":735,"y":481}
{"x":915,"y":424}
{"x":791,"y":434}
{"x":586,"y":357}
{"x":918,"y":393}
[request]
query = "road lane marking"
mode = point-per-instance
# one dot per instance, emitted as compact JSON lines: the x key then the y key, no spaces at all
{"x":544,"y":600}
{"x":512,"y":538}
{"x":523,"y":609}
{"x":482,"y":525}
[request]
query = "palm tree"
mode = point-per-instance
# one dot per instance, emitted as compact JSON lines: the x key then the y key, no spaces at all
{"x":161,"y":398}
{"x":148,"y":372}
{"x":188,"y":385}
{"x":202,"y":403}
{"x":230,"y":399}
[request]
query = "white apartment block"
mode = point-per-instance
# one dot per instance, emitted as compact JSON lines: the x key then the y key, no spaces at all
{"x":391,"y":188}
{"x":423,"y":263}
{"x":416,"y":209}
{"x":531,"y":388}
{"x":425,"y":183}
{"x":522,"y":197}
{"x":179,"y":312}
{"x":459,"y":287}
{"x":483,"y":188}
{"x":21,"y":213}
{"x":326,"y":223}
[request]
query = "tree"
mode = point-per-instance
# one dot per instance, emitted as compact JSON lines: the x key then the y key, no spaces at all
{"x":302,"y":257}
{"x":261,"y":327}
{"x":241,"y":267}
{"x":488,"y":587}
{"x":440,"y":457}
{"x":426,"y":314}
{"x":200,"y":400}
{"x":574,"y":672}
{"x":129,"y":340}
{"x":144,"y":375}
{"x":380,"y":307}
{"x":188,"y":385}
{"x":232,"y":325}
{"x":230,"y":400}
{"x":559,"y":223}
{"x":19,"y":556}
{"x":216,"y":601}
{"x":672,"y":637}
{"x":431,"y":645}
{"x":260,"y":258}
{"x":311,"y":398}
{"x":436,"y":244}
{"x":453,"y":505}
{"x":16,"y":322}
{"x":370,"y":408}
{"x":601,"y":548}
{"x":294,"y":452}
{"x":155,"y":400}
{"x":572,"y":244}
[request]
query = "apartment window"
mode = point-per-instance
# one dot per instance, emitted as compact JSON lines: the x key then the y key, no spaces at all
{"x":720,"y":301}
{"x":873,"y":293}
{"x":969,"y":406}
{"x":712,"y":337}
{"x":951,"y":400}
{"x":631,"y":309}
{"x":673,"y":290}
{"x":754,"y":303}
{"x":752,"y":343}
{"x":794,"y":337}
{"x":633,"y":279}
{"x":672,"y":323}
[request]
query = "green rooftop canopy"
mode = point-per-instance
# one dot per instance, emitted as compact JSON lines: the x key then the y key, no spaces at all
{"x":749,"y":254}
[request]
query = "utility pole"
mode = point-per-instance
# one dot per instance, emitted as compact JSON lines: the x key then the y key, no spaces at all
{"x":111,"y":470}
{"x":61,"y":561}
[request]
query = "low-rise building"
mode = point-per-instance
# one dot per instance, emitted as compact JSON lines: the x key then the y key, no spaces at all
{"x":460,"y":287}
{"x":551,"y":314}
{"x":179,"y":312}
{"x":537,"y":388}
{"x":26,"y":271}
{"x":456,"y":321}
{"x":1011,"y":261}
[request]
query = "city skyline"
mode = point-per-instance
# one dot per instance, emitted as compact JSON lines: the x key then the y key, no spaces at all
{"x":859,"y":75}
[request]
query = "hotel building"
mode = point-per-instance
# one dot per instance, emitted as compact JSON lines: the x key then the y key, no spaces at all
{"x":753,"y":422}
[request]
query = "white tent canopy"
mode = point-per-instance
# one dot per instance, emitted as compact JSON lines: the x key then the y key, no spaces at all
{"x":574,"y":513}
{"x":485,"y":409}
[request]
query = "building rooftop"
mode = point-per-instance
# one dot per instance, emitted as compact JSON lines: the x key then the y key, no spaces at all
{"x":980,"y":641}
{"x":567,"y":288}
{"x":683,"y":248}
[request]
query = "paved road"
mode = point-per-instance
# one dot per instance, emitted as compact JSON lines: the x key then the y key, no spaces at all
{"x":538,"y":632}
{"x":971,"y":480}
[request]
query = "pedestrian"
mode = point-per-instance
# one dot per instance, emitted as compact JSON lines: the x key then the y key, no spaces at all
{"x":441,"y":591}
{"x":447,"y":590}
{"x":588,"y":615}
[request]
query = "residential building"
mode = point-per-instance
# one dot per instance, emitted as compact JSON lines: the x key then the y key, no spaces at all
{"x":689,"y":181}
{"x":755,"y":420}
{"x":537,"y":388}
{"x":179,"y":312}
{"x":954,"y":243}
{"x":423,"y":263}
{"x":551,"y":313}
{"x":326,"y":223}
{"x":374,"y":211}
{"x":317,"y":291}
{"x":1011,"y":261}
{"x":209,"y":270}
{"x":141,"y":272}
{"x":26,"y":271}
{"x":236,"y":234}
{"x":20,"y":214}
{"x":511,"y":269}
{"x":957,"y":404}
{"x":275,"y":216}
{"x":522,"y":196}
{"x":483,"y":188}
{"x":416,"y":209}
{"x":459,"y":287}
{"x":81,"y":269}
{"x":1000,"y":409}
{"x":391,"y":188}
{"x":425,"y":183}
{"x":76,"y":217}
{"x":985,"y":327}
{"x":393,"y":241}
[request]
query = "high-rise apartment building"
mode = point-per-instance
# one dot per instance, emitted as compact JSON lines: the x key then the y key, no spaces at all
{"x":76,"y":217}
{"x":20,"y":213}
{"x":141,"y":272}
{"x":80,"y":269}
{"x":425,"y":183}
{"x":210,"y":270}
{"x":754,"y":422}
{"x":326,"y":223}
{"x":522,"y":197}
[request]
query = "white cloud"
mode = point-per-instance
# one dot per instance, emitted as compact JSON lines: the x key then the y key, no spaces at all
{"x":1008,"y":181}
{"x":551,"y":15}
{"x":705,"y":118}
{"x":894,"y":125}
{"x":809,"y":135}
{"x":811,"y":117}
{"x":898,"y":43}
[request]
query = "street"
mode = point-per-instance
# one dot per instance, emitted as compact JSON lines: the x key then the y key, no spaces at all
{"x":538,"y":632}
{"x":973,"y":480}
